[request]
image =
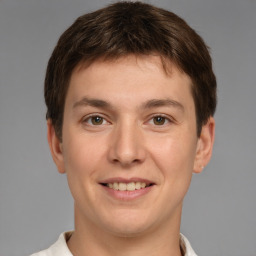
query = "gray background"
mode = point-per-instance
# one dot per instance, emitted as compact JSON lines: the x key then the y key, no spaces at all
{"x":219,"y":215}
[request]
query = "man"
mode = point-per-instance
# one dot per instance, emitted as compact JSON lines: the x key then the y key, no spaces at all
{"x":130,"y":96}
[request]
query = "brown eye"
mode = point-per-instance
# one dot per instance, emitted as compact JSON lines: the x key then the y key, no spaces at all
{"x":159,"y":120}
{"x":96,"y":120}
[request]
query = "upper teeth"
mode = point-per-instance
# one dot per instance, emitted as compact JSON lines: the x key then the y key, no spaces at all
{"x":127,"y":186}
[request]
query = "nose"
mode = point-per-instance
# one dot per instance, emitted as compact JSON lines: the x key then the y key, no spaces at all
{"x":127,"y":145}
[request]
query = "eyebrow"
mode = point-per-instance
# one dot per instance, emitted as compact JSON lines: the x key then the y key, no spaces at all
{"x":92,"y":102}
{"x":162,"y":103}
{"x":98,"y":103}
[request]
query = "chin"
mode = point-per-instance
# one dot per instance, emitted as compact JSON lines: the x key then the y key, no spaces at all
{"x":128,"y":231}
{"x":131,"y":226}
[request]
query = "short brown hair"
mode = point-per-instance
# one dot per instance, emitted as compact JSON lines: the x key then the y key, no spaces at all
{"x":126,"y":28}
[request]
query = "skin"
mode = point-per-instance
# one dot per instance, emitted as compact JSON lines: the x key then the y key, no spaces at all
{"x":128,"y":119}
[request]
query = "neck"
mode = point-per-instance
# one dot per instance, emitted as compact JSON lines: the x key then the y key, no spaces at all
{"x":89,"y":240}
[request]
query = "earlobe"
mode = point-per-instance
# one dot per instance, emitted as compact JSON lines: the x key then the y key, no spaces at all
{"x":55,"y":146}
{"x":204,"y":146}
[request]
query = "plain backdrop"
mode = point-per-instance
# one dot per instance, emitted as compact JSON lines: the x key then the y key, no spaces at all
{"x":219,"y":215}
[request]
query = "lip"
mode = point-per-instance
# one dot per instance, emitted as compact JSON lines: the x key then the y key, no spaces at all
{"x":125,"y":180}
{"x":127,"y":195}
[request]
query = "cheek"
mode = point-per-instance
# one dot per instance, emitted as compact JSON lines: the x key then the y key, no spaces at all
{"x":174,"y":156}
{"x":174,"y":162}
{"x":81,"y":162}
{"x":78,"y":161}
{"x":82,"y":155}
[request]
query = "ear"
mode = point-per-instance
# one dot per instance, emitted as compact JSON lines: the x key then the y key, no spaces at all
{"x":55,"y":146}
{"x":204,"y":146}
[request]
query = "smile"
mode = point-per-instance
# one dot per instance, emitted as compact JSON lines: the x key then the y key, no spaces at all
{"x":127,"y":189}
{"x":131,"y":186}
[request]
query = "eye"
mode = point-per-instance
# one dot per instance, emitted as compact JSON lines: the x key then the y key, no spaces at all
{"x":159,"y":120}
{"x":95,"y":120}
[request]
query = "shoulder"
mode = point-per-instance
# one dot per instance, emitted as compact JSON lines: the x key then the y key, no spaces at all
{"x":58,"y":248}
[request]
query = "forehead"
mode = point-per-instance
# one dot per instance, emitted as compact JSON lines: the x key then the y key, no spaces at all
{"x":140,"y":75}
{"x":140,"y":61}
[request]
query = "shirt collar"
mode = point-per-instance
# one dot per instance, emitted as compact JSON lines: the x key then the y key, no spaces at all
{"x":186,"y":247}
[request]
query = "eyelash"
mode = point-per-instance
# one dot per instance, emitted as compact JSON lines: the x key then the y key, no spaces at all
{"x":89,"y":120}
{"x":167,"y":119}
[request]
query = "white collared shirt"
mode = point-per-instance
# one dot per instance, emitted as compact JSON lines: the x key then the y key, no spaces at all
{"x":60,"y":247}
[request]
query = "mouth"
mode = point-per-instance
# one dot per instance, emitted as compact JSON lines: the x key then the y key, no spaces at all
{"x":127,"y":189}
{"x":127,"y":186}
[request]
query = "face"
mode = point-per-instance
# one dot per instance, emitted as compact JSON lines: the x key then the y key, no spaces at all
{"x":129,"y":144}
